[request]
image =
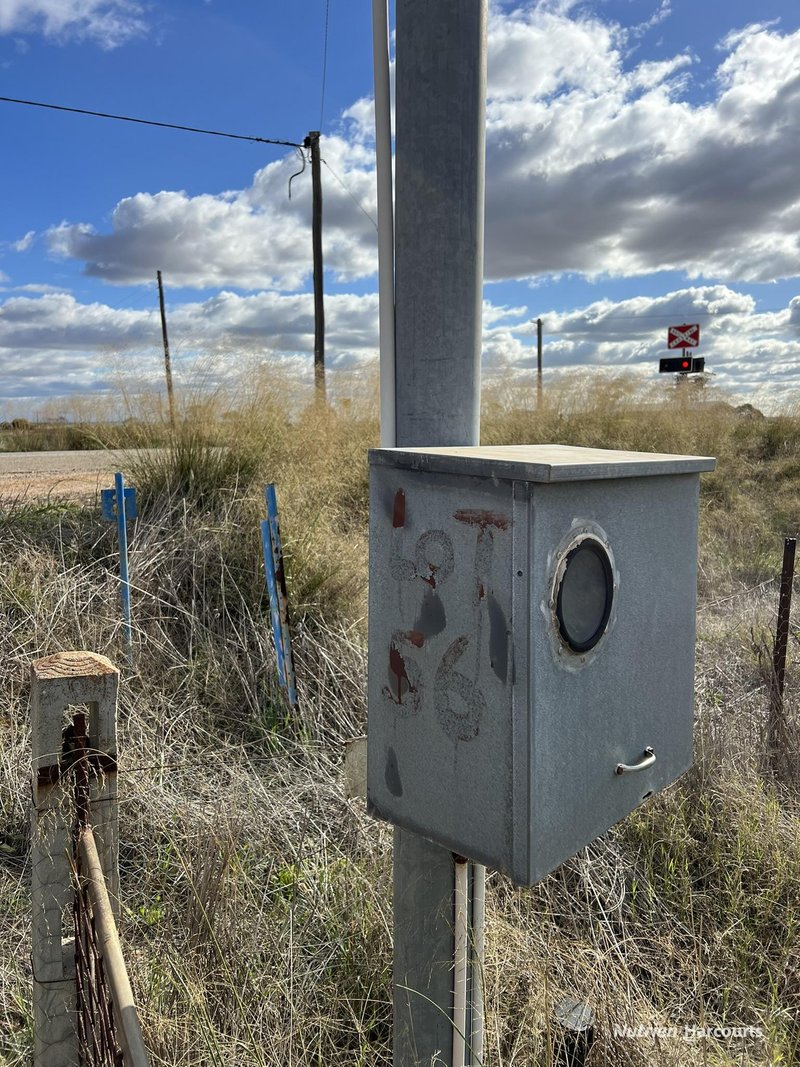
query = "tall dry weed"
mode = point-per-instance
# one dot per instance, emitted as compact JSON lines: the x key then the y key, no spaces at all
{"x":256,"y":898}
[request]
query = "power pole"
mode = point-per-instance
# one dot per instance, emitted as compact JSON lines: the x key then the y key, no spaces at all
{"x":538,"y":363}
{"x":440,"y":153}
{"x":167,"y":365}
{"x":312,"y":142}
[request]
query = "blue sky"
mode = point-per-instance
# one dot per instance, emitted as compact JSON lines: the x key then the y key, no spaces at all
{"x":641,"y":161}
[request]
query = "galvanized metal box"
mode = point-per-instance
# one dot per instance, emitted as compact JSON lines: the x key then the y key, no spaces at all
{"x":531,"y":643}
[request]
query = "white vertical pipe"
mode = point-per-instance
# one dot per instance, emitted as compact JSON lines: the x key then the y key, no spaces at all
{"x":461,"y":970}
{"x":383,"y":153}
{"x":478,"y":957}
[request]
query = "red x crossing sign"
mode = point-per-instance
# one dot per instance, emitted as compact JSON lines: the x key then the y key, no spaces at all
{"x":686,"y":336}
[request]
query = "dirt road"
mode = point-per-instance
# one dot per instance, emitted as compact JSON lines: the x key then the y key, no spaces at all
{"x":59,"y":475}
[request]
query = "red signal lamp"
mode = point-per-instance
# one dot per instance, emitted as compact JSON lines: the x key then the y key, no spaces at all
{"x":682,"y":365}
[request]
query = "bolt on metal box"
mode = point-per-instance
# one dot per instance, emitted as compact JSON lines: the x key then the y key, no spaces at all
{"x":531,"y":643}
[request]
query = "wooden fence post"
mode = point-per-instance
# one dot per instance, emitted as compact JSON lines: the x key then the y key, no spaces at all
{"x":58,"y":683}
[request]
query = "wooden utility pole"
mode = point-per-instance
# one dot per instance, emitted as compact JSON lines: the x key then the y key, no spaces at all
{"x":312,"y":143}
{"x":538,"y":363}
{"x":167,"y":365}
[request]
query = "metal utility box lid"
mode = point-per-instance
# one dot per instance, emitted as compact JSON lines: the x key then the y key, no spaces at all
{"x":531,"y":643}
{"x":539,"y":463}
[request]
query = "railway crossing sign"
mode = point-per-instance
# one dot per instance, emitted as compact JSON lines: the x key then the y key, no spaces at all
{"x":685,"y":336}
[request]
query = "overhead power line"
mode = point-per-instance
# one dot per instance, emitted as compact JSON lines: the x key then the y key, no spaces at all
{"x":151,"y":122}
{"x":351,"y":194}
{"x":324,"y":64}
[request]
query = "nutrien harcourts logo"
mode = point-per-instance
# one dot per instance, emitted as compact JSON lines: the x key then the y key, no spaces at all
{"x":687,"y":1032}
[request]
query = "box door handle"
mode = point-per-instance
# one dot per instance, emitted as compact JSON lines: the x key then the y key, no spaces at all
{"x":647,"y":760}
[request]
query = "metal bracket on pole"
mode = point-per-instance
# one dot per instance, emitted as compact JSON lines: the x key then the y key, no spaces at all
{"x":108,"y":504}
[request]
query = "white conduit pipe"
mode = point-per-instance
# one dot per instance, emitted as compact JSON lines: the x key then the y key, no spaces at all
{"x":461,"y":970}
{"x":383,"y":154}
{"x":468,"y":1047}
{"x":478,"y":957}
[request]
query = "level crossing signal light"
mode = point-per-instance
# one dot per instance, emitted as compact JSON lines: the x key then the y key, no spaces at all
{"x":682,"y":365}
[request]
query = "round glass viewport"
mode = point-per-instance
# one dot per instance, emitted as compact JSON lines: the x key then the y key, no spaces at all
{"x":585,"y":595}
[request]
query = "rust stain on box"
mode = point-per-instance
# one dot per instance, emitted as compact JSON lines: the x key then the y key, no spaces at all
{"x":482,"y":518}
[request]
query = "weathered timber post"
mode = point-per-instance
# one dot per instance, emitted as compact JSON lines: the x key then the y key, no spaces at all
{"x":167,"y":363}
{"x":312,"y":142}
{"x":58,"y":683}
{"x":539,"y":385}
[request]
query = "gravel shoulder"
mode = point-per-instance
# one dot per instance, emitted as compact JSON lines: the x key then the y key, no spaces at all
{"x":72,"y":475}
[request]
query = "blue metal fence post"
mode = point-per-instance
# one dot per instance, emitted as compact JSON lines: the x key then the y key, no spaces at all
{"x":125,"y":589}
{"x":120,"y":503}
{"x":269,"y":567}
{"x":278,"y":599}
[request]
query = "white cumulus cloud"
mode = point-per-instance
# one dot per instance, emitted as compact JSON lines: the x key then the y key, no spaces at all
{"x":25,"y":242}
{"x":109,"y":23}
{"x":599,"y":163}
{"x":251,"y":239}
{"x":596,"y":164}
{"x":616,"y":172}
{"x":53,"y":344}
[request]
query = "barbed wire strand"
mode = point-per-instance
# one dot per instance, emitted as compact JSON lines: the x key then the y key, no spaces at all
{"x":324,"y":64}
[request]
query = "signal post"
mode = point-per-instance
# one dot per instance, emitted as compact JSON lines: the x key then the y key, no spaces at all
{"x":683,"y":337}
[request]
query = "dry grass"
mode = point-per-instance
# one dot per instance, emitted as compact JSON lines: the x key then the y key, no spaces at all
{"x":256,"y":898}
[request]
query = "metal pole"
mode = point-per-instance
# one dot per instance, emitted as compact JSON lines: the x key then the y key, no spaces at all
{"x":125,"y":589}
{"x":776,"y":716}
{"x":279,"y":598}
{"x":440,"y":152}
{"x":80,"y":744}
{"x":167,"y":365}
{"x":440,"y":149}
{"x":538,"y":363}
{"x":272,"y":586}
{"x":312,"y":141}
